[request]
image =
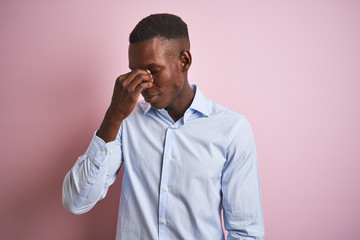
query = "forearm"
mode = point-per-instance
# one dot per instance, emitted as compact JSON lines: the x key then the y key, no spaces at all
{"x":88,"y":181}
{"x":83,"y":186}
{"x":109,"y":126}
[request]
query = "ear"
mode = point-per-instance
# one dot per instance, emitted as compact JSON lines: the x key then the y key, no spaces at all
{"x":185,"y":60}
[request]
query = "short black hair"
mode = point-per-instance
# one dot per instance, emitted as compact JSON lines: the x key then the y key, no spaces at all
{"x":164,"y":25}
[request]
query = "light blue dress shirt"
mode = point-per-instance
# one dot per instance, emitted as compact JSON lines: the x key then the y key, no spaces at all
{"x":178,"y":176}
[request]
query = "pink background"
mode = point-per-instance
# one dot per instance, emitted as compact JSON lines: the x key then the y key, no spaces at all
{"x":291,"y":67}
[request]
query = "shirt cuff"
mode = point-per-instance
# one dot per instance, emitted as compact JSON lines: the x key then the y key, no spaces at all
{"x":98,"y":151}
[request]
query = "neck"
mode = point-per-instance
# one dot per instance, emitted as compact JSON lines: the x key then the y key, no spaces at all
{"x":177,"y":110}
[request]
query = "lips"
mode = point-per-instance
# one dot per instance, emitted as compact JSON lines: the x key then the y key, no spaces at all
{"x":150,"y":98}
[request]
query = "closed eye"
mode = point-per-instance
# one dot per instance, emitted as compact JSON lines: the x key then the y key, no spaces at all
{"x":154,"y":71}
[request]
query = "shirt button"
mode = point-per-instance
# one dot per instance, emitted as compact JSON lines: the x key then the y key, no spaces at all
{"x":102,"y":153}
{"x":110,"y":152}
{"x":166,"y":189}
{"x":91,"y":181}
{"x":168,"y":156}
{"x":164,"y":221}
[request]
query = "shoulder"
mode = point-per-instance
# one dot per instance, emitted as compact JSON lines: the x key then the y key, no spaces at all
{"x":234,"y":124}
{"x":220,"y":112}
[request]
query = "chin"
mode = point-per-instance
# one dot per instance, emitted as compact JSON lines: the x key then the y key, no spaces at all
{"x":157,"y":105}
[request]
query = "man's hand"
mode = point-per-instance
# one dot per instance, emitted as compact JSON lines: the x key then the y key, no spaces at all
{"x":125,"y":96}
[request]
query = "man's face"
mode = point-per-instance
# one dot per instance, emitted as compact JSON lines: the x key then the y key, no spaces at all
{"x":162,"y":59}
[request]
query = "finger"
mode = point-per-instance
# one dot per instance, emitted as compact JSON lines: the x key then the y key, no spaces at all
{"x":127,"y":80}
{"x":143,"y":85}
{"x":123,"y":76}
{"x":150,"y":74}
{"x":140,"y":79}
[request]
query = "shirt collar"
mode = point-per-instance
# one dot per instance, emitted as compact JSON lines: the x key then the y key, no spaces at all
{"x":198,"y":104}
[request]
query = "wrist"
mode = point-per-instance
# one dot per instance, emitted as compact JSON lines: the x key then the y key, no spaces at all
{"x":113,"y":116}
{"x":109,"y":127}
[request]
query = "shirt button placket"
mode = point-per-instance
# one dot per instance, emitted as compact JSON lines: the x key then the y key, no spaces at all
{"x":164,"y":206}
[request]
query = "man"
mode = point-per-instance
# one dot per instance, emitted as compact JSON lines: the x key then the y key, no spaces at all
{"x":186,"y":158}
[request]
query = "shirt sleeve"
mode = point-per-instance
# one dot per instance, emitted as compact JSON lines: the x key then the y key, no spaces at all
{"x":242,"y":206}
{"x":89,"y":179}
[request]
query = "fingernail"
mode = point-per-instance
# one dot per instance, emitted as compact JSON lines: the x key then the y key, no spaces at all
{"x":149,"y":73}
